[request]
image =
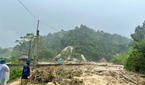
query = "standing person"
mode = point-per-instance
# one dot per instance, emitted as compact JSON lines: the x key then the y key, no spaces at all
{"x":59,"y":61}
{"x":25,"y":73}
{"x":3,"y":69}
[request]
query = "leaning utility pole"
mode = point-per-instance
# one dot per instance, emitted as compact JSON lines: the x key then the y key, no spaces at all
{"x":36,"y":48}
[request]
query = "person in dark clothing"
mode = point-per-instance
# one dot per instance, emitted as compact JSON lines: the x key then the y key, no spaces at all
{"x":25,"y":73}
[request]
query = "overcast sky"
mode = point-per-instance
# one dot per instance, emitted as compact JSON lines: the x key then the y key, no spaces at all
{"x":112,"y":16}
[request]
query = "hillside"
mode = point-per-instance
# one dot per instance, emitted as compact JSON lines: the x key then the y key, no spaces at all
{"x":4,"y":52}
{"x":93,"y":44}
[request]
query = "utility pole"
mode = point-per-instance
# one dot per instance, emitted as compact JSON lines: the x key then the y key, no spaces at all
{"x":36,"y":48}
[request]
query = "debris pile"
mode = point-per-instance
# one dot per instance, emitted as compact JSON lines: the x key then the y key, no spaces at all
{"x":97,"y":74}
{"x":69,"y":62}
{"x":56,"y":76}
{"x":42,"y":75}
{"x":111,"y":75}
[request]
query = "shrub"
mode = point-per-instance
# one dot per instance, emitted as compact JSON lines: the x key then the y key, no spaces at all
{"x":135,"y":62}
{"x":15,"y":72}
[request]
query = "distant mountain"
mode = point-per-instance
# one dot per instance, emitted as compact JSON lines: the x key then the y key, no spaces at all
{"x":94,"y":45}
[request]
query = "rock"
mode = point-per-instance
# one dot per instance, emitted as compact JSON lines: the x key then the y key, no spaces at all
{"x":66,"y":80}
{"x":50,"y":83}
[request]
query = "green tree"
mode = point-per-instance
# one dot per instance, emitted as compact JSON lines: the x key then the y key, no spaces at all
{"x":92,"y":44}
{"x":26,"y":43}
{"x":135,"y":62}
{"x":139,"y":33}
{"x":13,"y":60}
{"x":44,"y":54}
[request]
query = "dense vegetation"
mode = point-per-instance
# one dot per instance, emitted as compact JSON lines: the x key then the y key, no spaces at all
{"x":4,"y":52}
{"x":15,"y":72}
{"x":135,"y":61}
{"x":94,"y":45}
{"x":26,"y":44}
{"x":134,"y":57}
{"x":121,"y":58}
{"x":139,"y":33}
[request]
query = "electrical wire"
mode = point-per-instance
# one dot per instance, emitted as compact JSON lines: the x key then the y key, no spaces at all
{"x":43,"y":22}
{"x":48,"y":26}
{"x":35,"y":17}
{"x":27,"y":9}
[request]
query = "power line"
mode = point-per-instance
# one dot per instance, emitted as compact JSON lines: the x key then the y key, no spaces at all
{"x":35,"y":17}
{"x":27,"y":9}
{"x":48,"y":26}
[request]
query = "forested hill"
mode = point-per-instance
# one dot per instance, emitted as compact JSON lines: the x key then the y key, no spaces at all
{"x":93,"y":44}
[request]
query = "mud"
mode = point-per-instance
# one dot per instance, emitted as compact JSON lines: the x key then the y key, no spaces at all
{"x":94,"y":74}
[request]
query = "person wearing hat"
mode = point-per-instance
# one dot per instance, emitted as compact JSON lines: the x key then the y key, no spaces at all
{"x":25,"y":73}
{"x":3,"y":69}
